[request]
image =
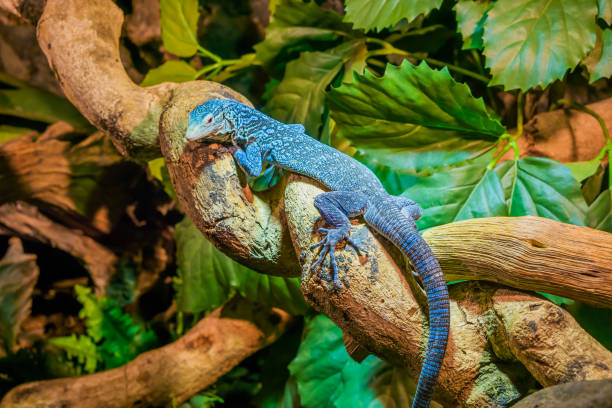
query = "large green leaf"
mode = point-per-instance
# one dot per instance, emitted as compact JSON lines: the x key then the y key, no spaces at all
{"x":380,"y":14}
{"x":412,"y":118}
{"x":468,"y":190}
{"x":599,"y":60}
{"x":295,"y":22}
{"x":179,"y":24}
{"x":533,"y":42}
{"x":207,"y":278}
{"x":299,"y":98}
{"x":43,"y":106}
{"x":599,"y":214}
{"x":18,"y":275}
{"x":605,"y":10}
{"x":327,"y":377}
{"x":471,"y":16}
{"x":169,"y":71}
{"x":542,"y":187}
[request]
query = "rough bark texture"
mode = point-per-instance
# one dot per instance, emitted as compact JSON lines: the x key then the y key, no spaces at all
{"x":167,"y":375}
{"x":538,"y":254}
{"x":583,"y":394}
{"x":497,"y":334}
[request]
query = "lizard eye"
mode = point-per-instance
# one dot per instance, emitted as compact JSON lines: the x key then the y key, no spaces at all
{"x":208,"y":119}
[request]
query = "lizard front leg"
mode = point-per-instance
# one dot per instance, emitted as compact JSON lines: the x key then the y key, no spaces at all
{"x":336,"y":207}
{"x":250,"y":159}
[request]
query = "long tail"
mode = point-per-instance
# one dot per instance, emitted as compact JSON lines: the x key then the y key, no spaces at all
{"x":387,"y":218}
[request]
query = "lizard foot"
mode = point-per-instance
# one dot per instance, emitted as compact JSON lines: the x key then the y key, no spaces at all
{"x":328,"y":244}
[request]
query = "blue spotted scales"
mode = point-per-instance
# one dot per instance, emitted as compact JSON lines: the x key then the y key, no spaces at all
{"x":255,"y":139}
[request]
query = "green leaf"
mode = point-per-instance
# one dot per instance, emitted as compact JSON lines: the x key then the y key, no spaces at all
{"x":605,"y":10}
{"x":8,"y":132}
{"x":599,"y":60}
{"x":299,"y":98}
{"x":557,"y":300}
{"x":179,"y":24}
{"x":583,"y":169}
{"x":169,"y":71}
{"x":471,"y":16}
{"x":18,"y":275}
{"x":43,"y":106}
{"x":542,"y":187}
{"x":295,"y":22}
{"x":599,"y":214}
{"x":596,"y":321}
{"x":468,"y":190}
{"x":412,"y":118}
{"x":80,"y":347}
{"x":207,"y":278}
{"x":534,"y":42}
{"x":380,"y":14}
{"x":327,"y":377}
{"x":202,"y":400}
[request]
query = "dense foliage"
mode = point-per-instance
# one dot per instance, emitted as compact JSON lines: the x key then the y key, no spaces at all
{"x":428,"y":94}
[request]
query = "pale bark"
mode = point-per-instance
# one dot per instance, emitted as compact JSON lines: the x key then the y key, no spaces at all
{"x":492,"y":327}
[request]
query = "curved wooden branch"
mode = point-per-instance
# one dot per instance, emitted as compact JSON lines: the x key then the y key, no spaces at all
{"x":529,"y":253}
{"x":171,"y":374}
{"x":585,"y":394}
{"x":496,"y":333}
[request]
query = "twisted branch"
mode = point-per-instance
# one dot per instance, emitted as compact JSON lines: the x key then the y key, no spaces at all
{"x":497,"y":334}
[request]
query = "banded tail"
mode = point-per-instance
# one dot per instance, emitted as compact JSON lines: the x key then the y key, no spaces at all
{"x":387,"y":218}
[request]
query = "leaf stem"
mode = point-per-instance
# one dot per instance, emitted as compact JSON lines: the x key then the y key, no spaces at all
{"x":215,"y":67}
{"x":205,"y":53}
{"x":511,"y":144}
{"x":390,"y":49}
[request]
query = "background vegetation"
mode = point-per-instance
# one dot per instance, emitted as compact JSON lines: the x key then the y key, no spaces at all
{"x":431,"y":95}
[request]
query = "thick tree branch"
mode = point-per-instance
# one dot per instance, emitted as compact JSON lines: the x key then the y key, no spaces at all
{"x":496,"y":333}
{"x":529,"y":253}
{"x":171,"y":374}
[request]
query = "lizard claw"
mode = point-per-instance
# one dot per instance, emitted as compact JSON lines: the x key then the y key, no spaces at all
{"x":328,"y":244}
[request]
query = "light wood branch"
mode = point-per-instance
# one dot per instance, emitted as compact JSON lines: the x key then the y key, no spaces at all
{"x":493,"y":329}
{"x":529,"y":253}
{"x":168,"y":375}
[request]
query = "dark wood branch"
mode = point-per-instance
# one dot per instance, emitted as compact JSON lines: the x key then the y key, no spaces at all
{"x":25,"y":221}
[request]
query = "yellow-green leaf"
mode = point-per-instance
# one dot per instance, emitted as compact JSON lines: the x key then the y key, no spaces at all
{"x":170,"y":71}
{"x":179,"y":23}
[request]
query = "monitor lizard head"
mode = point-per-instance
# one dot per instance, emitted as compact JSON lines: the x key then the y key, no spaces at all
{"x":211,"y":121}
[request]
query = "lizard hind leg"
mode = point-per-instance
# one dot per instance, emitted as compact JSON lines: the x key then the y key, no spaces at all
{"x":410,"y":208}
{"x":336,"y":207}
